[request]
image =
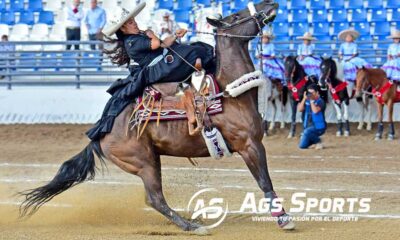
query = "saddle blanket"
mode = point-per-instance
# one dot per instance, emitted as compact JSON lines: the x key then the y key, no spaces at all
{"x":169,"y":114}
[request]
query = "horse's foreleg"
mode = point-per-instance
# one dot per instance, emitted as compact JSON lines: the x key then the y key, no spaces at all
{"x":283,"y":111}
{"x":292,"y":131}
{"x":379,"y":133}
{"x":368,"y":106}
{"x":361,"y":122}
{"x":338,"y":109}
{"x":283,"y":98}
{"x":255,"y":158}
{"x":272,"y":124}
{"x":391,"y":124}
{"x":346,"y":119}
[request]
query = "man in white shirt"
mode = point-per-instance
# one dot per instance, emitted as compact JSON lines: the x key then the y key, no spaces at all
{"x":74,"y":17}
{"x":167,"y":26}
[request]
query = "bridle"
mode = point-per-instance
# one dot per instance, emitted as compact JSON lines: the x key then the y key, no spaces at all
{"x":260,"y":16}
{"x":327,"y":75}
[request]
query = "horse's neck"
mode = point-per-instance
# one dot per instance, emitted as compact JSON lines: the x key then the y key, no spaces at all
{"x":233,"y":60}
{"x":335,"y":81}
{"x":375,"y":80}
{"x":300,"y":74}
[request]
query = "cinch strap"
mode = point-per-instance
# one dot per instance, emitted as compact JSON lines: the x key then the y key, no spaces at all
{"x":295,"y":89}
{"x":379,"y":93}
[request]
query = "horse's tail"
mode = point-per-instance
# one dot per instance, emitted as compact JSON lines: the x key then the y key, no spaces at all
{"x":78,"y":169}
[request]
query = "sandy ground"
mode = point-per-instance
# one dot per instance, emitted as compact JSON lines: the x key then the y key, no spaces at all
{"x":112,"y":206}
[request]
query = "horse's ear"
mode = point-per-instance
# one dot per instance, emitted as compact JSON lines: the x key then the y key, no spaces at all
{"x":330,"y":58}
{"x":214,"y":22}
{"x":363,"y":67}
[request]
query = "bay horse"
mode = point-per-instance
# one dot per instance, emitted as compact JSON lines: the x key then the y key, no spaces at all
{"x":240,"y":124}
{"x":298,"y":81}
{"x":338,"y":89}
{"x":385,"y":92}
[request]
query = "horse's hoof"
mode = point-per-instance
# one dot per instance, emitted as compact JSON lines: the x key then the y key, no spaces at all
{"x":271,"y":127}
{"x":346,"y":133}
{"x":377,"y":138}
{"x":338,"y":134}
{"x":290,"y":226}
{"x":282,"y":125}
{"x":285,"y":223}
{"x":369,"y":127}
{"x":201,"y":231}
{"x":360,"y":126}
{"x":390,"y":137}
{"x":290,"y":136}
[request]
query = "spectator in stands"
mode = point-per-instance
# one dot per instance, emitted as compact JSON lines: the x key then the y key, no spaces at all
{"x":167,"y":26}
{"x":73,"y":25}
{"x":392,"y":66}
{"x":5,"y":47}
{"x":314,"y":122}
{"x":274,"y":68}
{"x":305,"y":52}
{"x":348,"y":53}
{"x":95,"y":19}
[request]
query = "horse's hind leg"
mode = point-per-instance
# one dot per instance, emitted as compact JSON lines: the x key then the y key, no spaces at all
{"x":141,"y":161}
{"x":151,"y":176}
{"x":369,"y":113}
{"x":255,"y":158}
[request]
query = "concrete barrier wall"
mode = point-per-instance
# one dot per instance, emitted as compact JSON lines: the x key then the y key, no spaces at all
{"x":33,"y":105}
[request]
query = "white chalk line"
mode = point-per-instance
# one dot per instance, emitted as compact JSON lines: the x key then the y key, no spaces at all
{"x":229,"y":170}
{"x":129,"y":183}
{"x":177,"y":209}
{"x":391,"y":216}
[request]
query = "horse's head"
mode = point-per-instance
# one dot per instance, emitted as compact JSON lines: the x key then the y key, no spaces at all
{"x":362,"y":83}
{"x":247,"y":22}
{"x":328,"y":72}
{"x":291,"y":66}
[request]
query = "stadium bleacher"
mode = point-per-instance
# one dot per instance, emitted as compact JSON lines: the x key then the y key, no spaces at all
{"x":43,"y":20}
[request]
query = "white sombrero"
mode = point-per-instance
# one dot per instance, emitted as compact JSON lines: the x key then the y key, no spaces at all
{"x":268,"y":34}
{"x":120,"y":16}
{"x":343,"y":34}
{"x":307,"y":36}
{"x":395,"y":35}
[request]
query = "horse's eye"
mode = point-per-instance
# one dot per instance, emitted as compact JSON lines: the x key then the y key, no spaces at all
{"x":236,"y":17}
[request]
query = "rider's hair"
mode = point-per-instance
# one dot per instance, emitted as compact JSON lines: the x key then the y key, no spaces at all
{"x":118,"y":54}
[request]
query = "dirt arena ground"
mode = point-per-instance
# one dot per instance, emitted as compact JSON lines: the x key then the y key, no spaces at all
{"x":112,"y":206}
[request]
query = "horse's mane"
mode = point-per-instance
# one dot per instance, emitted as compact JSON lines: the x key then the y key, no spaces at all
{"x":333,"y":68}
{"x":299,"y":69}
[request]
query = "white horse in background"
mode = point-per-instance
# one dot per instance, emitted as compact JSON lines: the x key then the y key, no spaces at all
{"x":276,"y":96}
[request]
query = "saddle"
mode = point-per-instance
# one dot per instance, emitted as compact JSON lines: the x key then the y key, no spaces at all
{"x":192,"y":100}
